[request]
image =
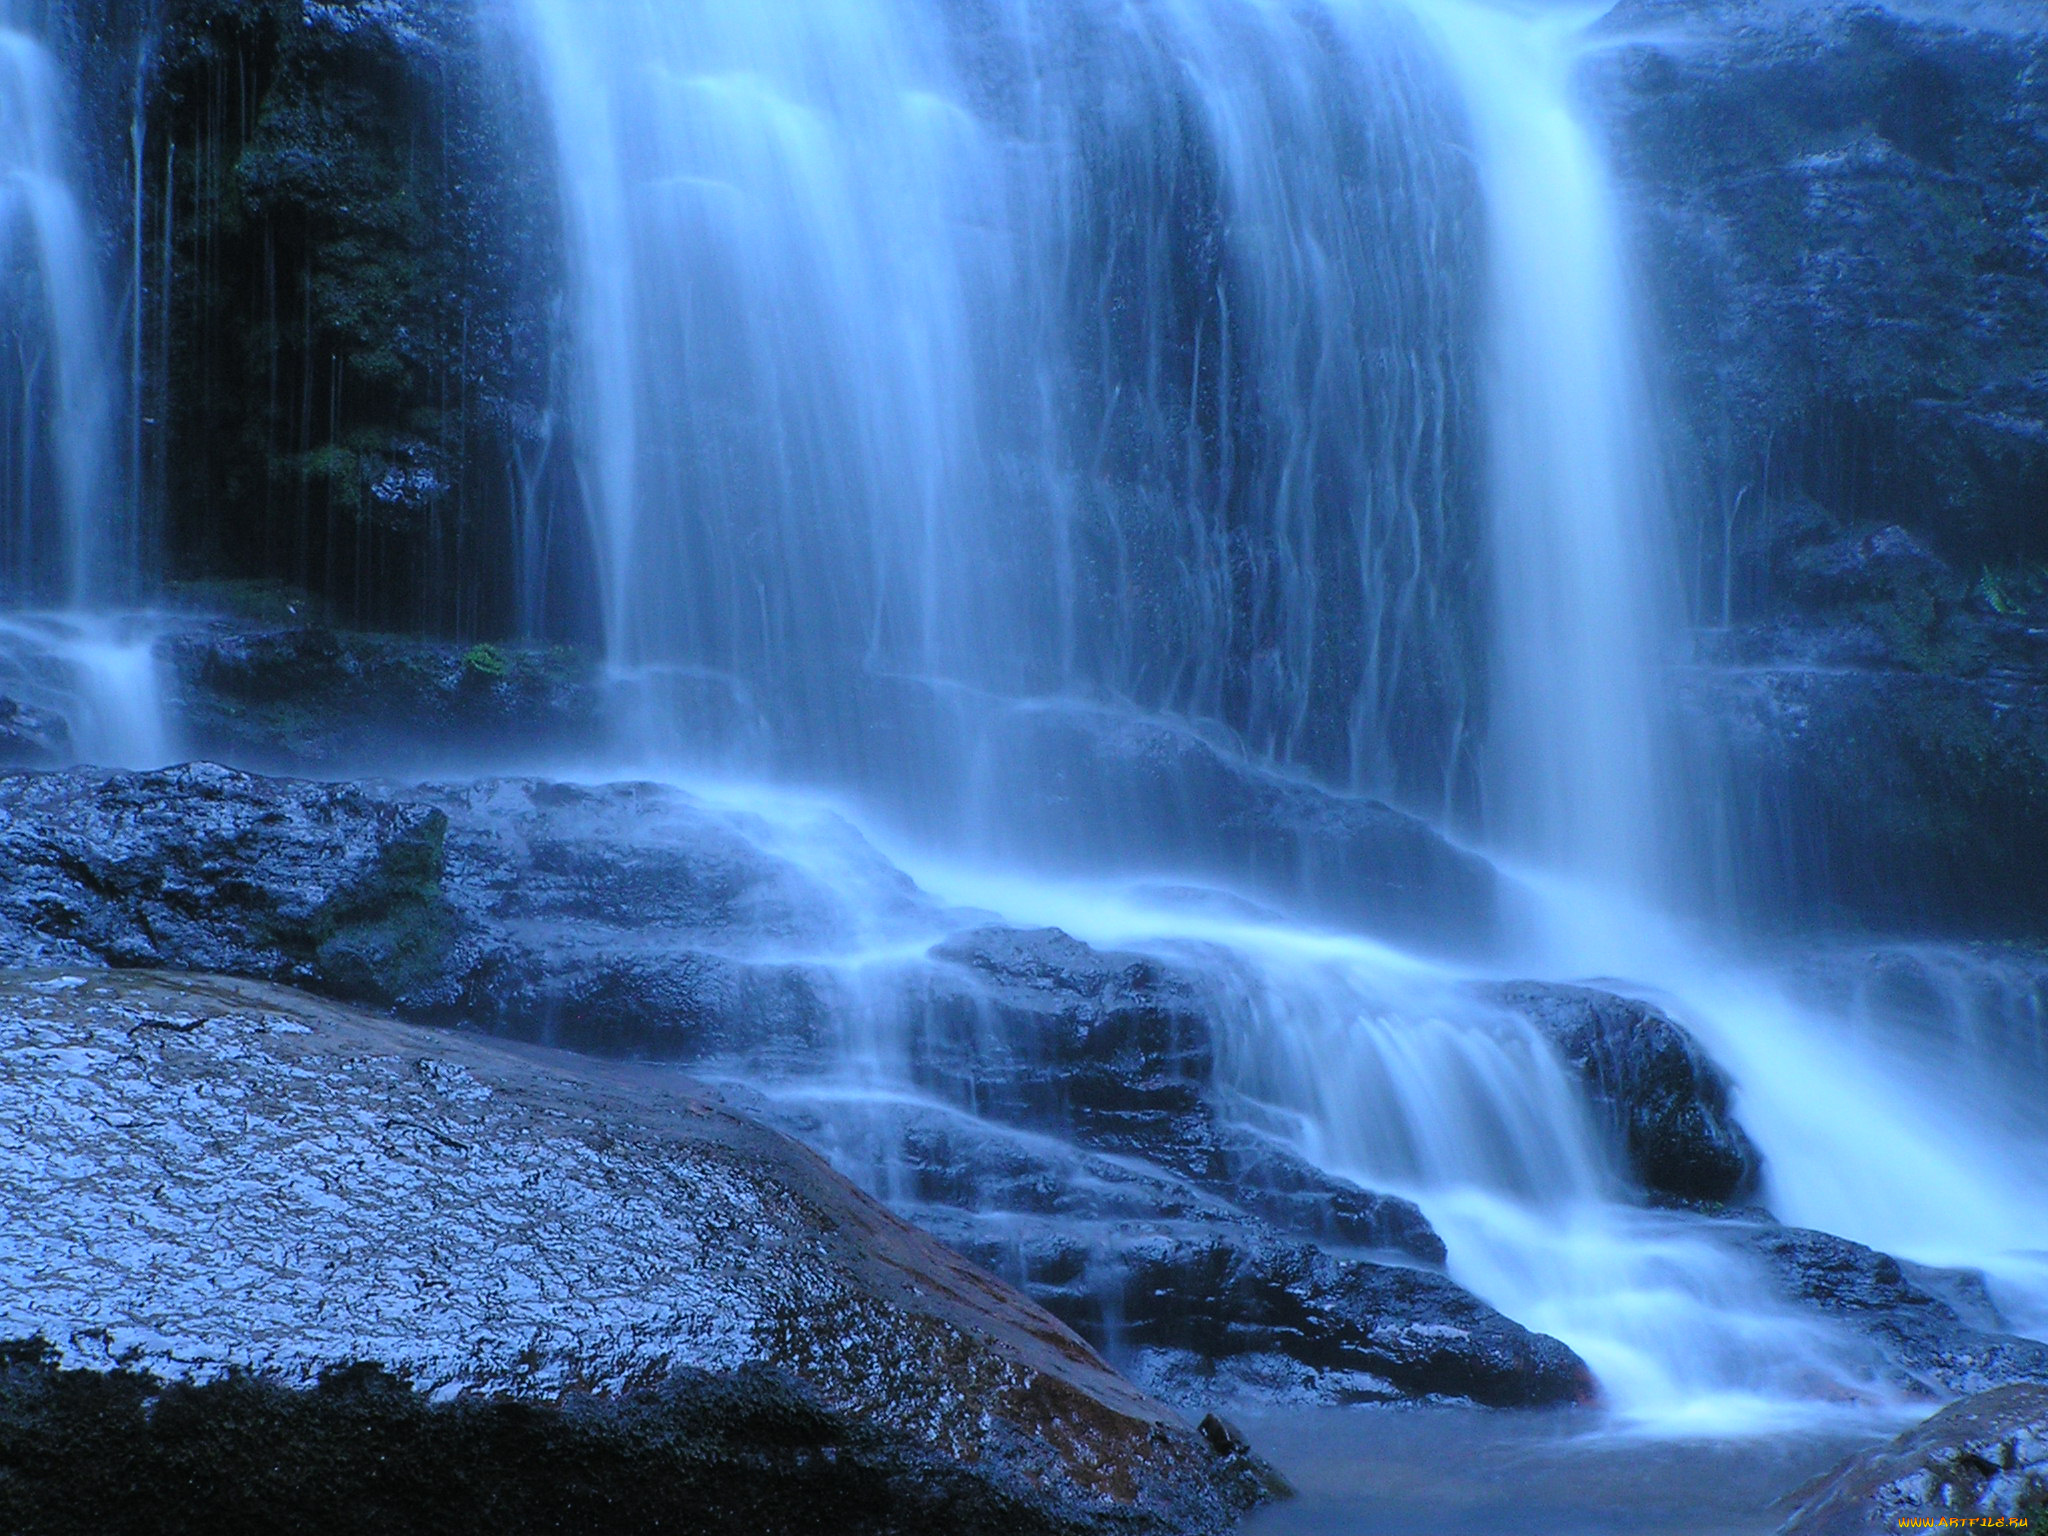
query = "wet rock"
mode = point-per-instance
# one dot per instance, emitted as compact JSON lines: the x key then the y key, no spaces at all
{"x":382,"y":150}
{"x":1114,"y":1050}
{"x":1661,"y":1098}
{"x":1387,"y":1331}
{"x":597,"y":1261}
{"x":1136,"y":795}
{"x":1201,"y":1310}
{"x":1183,"y":1285}
{"x":1985,"y":1457}
{"x":298,"y":698}
{"x":31,"y":737}
{"x":1938,"y":1329}
{"x":1840,"y":205}
{"x":638,"y":920}
{"x":1910,"y":800}
{"x":203,"y":868}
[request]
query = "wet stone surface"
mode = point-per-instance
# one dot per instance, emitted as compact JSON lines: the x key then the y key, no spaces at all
{"x":206,"y":1176}
{"x":1985,"y":1457}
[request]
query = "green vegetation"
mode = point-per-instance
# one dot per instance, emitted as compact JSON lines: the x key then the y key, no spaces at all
{"x":485,"y":661}
{"x":355,"y":302}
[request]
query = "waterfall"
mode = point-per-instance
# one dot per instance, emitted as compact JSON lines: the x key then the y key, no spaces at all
{"x":1585,"y":606}
{"x":68,"y":530}
{"x":1073,"y":352}
{"x":952,"y":379}
{"x":58,"y":385}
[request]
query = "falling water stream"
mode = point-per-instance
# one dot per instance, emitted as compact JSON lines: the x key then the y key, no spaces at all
{"x":69,"y":553}
{"x":957,"y":374}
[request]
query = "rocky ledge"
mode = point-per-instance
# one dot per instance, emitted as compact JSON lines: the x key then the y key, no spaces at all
{"x":263,"y":1248}
{"x":303,"y":698}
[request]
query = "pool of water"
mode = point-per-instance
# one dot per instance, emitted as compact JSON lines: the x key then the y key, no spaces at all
{"x":1470,"y":1472}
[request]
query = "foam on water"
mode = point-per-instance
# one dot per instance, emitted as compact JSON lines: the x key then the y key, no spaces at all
{"x":99,"y":675}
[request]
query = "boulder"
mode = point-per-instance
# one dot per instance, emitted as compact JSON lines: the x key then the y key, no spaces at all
{"x":634,"y":918}
{"x":1114,"y":1051}
{"x":203,"y":868}
{"x":1979,"y":1462}
{"x":216,"y":1182}
{"x":1661,"y":1099}
{"x":1937,"y":1330}
{"x":1373,"y":1331}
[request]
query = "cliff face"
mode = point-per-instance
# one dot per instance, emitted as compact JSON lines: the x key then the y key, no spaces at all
{"x":1842,"y":210}
{"x":347,"y":256}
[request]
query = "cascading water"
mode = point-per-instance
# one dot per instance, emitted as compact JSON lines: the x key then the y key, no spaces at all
{"x":1071,"y":352}
{"x":68,"y":535}
{"x":1577,"y":519}
{"x":58,"y":387}
{"x":959,"y":382}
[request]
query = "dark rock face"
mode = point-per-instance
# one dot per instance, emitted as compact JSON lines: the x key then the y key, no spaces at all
{"x":1839,"y":205}
{"x":205,"y":868}
{"x":1938,"y":1328}
{"x":298,"y":699}
{"x":1913,"y":801}
{"x":1661,"y":1099}
{"x":1986,"y":1456}
{"x":351,"y":231}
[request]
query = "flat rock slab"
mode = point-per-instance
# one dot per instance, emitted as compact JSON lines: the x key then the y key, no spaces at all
{"x":203,"y":1175}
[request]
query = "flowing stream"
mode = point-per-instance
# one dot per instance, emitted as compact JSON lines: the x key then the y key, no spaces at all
{"x":960,"y":386}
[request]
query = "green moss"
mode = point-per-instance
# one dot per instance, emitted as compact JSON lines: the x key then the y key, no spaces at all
{"x":389,"y":935}
{"x":485,"y":661}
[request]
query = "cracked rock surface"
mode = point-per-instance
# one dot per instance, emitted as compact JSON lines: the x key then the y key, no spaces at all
{"x":204,"y":1175}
